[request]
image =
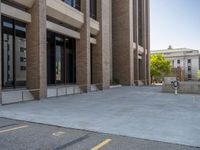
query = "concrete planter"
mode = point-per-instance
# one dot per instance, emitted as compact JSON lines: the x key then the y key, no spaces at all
{"x":185,"y":87}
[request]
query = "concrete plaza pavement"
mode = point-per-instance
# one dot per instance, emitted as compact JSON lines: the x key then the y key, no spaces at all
{"x":141,"y":112}
{"x":21,"y":135}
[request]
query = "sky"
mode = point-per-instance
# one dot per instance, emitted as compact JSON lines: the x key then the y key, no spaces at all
{"x":176,"y":23}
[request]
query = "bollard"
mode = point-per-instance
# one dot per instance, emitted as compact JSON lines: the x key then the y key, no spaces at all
{"x":175,"y":86}
{"x":176,"y":91}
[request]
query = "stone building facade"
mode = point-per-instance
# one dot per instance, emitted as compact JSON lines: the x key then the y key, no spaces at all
{"x":188,"y":60}
{"x":131,"y":41}
{"x":82,"y":42}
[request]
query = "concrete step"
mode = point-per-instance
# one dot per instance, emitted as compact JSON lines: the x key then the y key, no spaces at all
{"x":94,"y":88}
{"x":140,"y":83}
{"x":14,"y":96}
{"x":63,"y":90}
{"x":115,"y":86}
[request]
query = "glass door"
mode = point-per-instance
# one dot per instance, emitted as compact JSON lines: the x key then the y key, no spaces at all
{"x":91,"y":64}
{"x":61,"y":59}
{"x":50,"y":58}
{"x":70,"y":61}
{"x":59,"y":52}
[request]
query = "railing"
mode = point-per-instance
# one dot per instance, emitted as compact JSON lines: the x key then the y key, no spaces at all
{"x":17,"y":96}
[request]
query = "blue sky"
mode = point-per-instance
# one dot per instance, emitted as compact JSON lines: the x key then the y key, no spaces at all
{"x":176,"y":23}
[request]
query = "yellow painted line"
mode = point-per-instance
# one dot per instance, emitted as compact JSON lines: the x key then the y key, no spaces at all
{"x":12,"y":129}
{"x":101,"y":144}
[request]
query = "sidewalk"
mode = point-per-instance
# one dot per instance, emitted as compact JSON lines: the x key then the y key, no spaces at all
{"x":141,"y":112}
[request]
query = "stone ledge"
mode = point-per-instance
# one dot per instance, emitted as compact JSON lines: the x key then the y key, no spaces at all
{"x":115,"y":86}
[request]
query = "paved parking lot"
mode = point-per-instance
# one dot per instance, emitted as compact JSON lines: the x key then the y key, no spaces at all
{"x":140,"y":112}
{"x":20,"y":135}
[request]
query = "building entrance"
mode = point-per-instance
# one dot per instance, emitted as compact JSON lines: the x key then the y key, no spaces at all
{"x":61,"y":59}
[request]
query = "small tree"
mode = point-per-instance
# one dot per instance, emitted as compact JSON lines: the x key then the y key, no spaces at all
{"x":160,"y":67}
{"x":198,"y":74}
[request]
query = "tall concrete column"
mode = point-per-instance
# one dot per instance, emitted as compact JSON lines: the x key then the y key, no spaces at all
{"x":111,"y":47}
{"x":83,"y":50}
{"x":131,"y":40}
{"x":102,"y":50}
{"x":122,"y":41}
{"x":0,"y":62}
{"x":135,"y":32}
{"x":36,"y":50}
{"x":144,"y":64}
{"x":148,"y":41}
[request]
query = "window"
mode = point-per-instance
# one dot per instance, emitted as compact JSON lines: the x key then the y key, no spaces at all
{"x":93,"y":9}
{"x":189,"y":76}
{"x":7,"y":52}
{"x":78,"y":4}
{"x":70,"y":2}
{"x":22,"y":49}
{"x":189,"y":61}
{"x":189,"y":68}
{"x":8,"y":46}
{"x":178,"y":61}
{"x":14,"y":54}
{"x":22,"y":59}
{"x":74,"y":3}
{"x":8,"y":24}
{"x":172,"y":63}
{"x":23,"y":68}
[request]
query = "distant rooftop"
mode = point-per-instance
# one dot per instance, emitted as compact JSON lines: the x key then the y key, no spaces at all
{"x":171,"y":50}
